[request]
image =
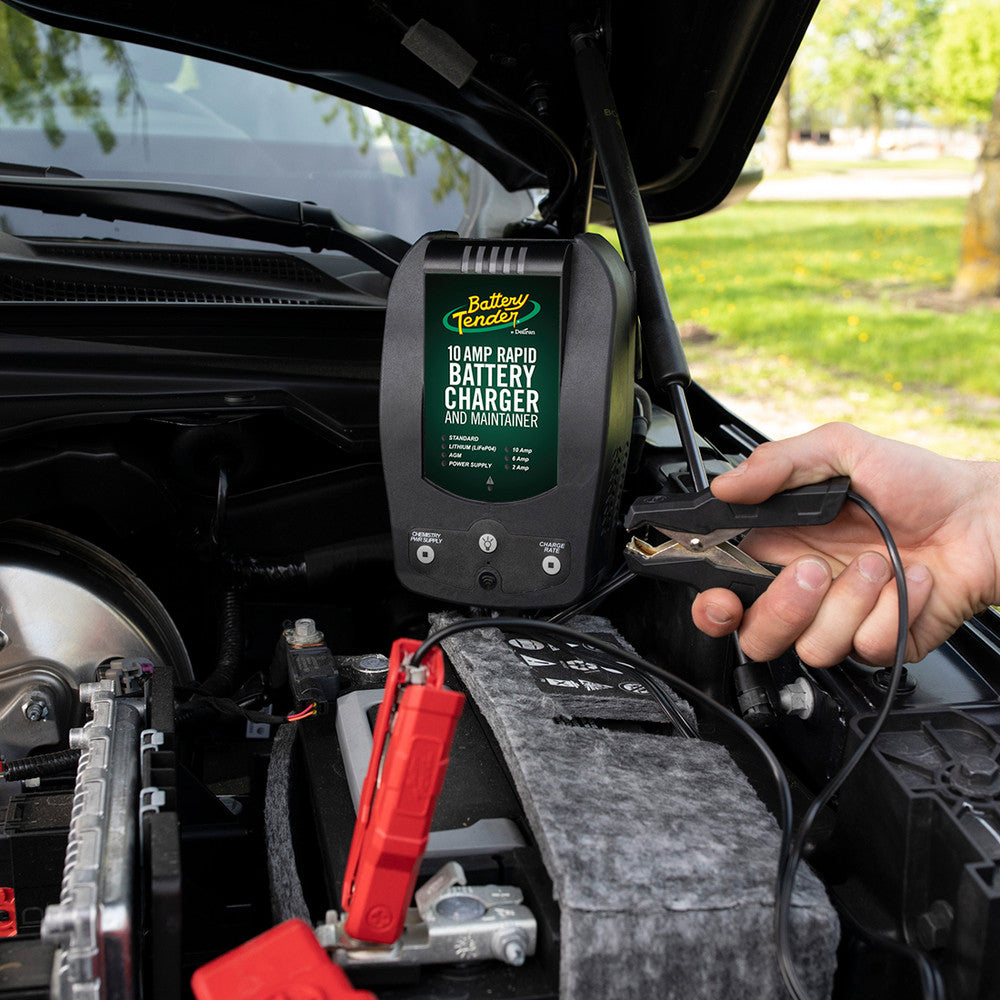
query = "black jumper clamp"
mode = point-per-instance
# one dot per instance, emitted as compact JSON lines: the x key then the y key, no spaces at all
{"x":688,"y":537}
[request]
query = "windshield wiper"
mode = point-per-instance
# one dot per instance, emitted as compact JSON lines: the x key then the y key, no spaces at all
{"x":217,"y":211}
{"x":31,"y":170}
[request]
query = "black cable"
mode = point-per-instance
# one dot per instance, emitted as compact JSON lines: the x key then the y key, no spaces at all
{"x":790,"y":860}
{"x":644,"y":669}
{"x":931,"y":981}
{"x":513,"y":110}
{"x":342,"y":559}
{"x":200,"y":704}
{"x":628,"y":658}
{"x":618,"y":580}
{"x":41,"y":766}
{"x":552,"y":204}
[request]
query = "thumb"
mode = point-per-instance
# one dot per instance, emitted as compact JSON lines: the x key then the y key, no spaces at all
{"x":812,"y":457}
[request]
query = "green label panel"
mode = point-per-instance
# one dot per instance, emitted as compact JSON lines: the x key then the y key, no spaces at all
{"x":491,"y":384}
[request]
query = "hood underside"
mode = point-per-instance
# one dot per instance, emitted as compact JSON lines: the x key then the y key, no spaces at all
{"x":693,"y":79}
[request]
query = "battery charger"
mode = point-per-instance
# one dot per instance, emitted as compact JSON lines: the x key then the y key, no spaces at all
{"x":505,"y":414}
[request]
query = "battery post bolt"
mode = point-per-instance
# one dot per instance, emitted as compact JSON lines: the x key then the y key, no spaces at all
{"x":303,"y":632}
{"x":510,"y":946}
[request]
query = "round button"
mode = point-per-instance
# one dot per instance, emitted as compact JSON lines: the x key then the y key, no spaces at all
{"x":425,"y":554}
{"x":551,"y":565}
{"x":488,"y":542}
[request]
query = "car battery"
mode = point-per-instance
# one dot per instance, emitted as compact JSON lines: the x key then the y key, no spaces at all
{"x":505,"y":415}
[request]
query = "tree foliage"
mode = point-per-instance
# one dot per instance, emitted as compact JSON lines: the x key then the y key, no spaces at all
{"x":40,"y":72}
{"x":967,"y":60}
{"x":870,"y":55}
{"x":409,"y":143}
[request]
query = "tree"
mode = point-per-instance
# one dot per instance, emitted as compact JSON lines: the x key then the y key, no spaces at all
{"x":871,"y":56}
{"x":779,"y":126}
{"x":38,"y":73}
{"x":367,"y":128}
{"x":967,"y":60}
{"x":979,"y":259}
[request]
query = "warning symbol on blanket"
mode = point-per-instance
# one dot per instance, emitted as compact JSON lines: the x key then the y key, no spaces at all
{"x":561,"y":666}
{"x":520,"y":643}
{"x":533,"y":661}
{"x":633,"y":687}
{"x":594,"y":686}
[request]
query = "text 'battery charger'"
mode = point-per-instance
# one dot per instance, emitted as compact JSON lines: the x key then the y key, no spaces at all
{"x":506,"y":408}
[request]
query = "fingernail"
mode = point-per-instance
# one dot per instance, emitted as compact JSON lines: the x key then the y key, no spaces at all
{"x":872,"y":567}
{"x":718,"y":614}
{"x":738,"y":471}
{"x":811,"y":574}
{"x":917,"y":573}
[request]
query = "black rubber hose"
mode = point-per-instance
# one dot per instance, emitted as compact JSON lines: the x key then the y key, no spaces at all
{"x":43,"y":765}
{"x":347,"y":557}
{"x":230,"y":656}
{"x":280,"y":572}
{"x":316,"y":565}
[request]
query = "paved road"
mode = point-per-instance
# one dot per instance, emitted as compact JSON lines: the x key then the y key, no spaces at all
{"x":858,"y":183}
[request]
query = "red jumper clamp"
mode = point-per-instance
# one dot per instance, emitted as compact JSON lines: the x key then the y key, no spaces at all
{"x":286,"y":961}
{"x":413,"y":732}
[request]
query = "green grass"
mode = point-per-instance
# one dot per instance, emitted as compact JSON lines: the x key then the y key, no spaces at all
{"x":844,"y":285}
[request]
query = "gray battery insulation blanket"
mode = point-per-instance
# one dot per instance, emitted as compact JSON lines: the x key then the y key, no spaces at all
{"x":662,"y":857}
{"x":287,"y":900}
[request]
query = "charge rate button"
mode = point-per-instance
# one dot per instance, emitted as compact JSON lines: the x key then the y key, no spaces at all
{"x":551,"y":565}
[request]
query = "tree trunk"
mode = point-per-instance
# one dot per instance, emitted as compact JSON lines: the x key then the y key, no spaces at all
{"x":876,"y":109}
{"x":779,"y":128}
{"x":979,"y":259}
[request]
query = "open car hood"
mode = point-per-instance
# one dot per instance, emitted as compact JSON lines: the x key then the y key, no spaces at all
{"x":693,"y":79}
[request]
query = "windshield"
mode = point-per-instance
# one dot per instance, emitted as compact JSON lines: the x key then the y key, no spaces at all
{"x":115,"y":110}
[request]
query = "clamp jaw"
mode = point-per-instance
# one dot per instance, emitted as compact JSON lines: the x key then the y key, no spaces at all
{"x":687,"y":537}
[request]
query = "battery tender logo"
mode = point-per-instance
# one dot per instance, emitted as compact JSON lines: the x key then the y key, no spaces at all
{"x":493,"y":312}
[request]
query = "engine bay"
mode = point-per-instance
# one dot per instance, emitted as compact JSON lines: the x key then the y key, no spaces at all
{"x":145,"y":722}
{"x":346,"y":646}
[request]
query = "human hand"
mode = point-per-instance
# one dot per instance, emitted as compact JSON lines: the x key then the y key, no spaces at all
{"x":836,"y":595}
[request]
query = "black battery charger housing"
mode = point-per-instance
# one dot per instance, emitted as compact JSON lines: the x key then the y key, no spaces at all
{"x":505,"y":414}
